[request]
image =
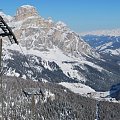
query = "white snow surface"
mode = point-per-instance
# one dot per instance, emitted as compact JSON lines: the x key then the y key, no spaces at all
{"x":48,"y":94}
{"x":104,"y":46}
{"x":87,"y":91}
{"x":113,"y":52}
{"x":105,"y":49}
{"x":78,"y":87}
{"x":60,"y":59}
{"x":55,"y":55}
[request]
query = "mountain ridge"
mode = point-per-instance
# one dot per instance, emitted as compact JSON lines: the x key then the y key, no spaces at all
{"x":55,"y":54}
{"x":107,"y":32}
{"x":58,"y":32}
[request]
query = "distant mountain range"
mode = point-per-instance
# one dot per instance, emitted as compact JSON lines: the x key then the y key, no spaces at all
{"x":104,"y":43}
{"x":112,"y":32}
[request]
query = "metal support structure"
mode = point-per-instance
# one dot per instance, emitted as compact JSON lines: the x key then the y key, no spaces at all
{"x":6,"y":31}
{"x":1,"y":81}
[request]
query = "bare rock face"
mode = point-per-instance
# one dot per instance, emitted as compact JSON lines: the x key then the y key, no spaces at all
{"x":25,"y":11}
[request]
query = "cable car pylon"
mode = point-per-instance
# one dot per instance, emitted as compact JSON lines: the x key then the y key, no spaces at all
{"x":6,"y":31}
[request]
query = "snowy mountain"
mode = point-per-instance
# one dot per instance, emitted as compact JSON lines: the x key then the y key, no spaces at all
{"x":104,"y":41}
{"x":57,"y":73}
{"x":112,"y":32}
{"x":104,"y":44}
{"x":46,"y":34}
{"x":50,"y":51}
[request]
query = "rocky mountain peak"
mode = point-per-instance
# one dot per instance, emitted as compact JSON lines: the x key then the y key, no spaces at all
{"x":43,"y":34}
{"x":25,"y":11}
{"x":46,"y":34}
{"x":61,"y":25}
{"x":7,"y":18}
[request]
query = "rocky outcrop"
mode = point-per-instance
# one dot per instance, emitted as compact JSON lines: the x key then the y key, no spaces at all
{"x":25,"y":11}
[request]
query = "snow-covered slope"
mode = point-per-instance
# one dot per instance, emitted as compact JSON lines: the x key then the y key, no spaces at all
{"x":65,"y":62}
{"x":50,"y":41}
{"x":104,"y":43}
{"x":87,"y":91}
{"x":78,"y":88}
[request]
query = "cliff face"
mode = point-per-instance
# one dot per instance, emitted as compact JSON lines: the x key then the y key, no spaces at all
{"x":34,"y":29}
{"x":24,"y":12}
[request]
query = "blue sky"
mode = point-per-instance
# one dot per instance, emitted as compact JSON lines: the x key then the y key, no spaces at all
{"x":79,"y":15}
